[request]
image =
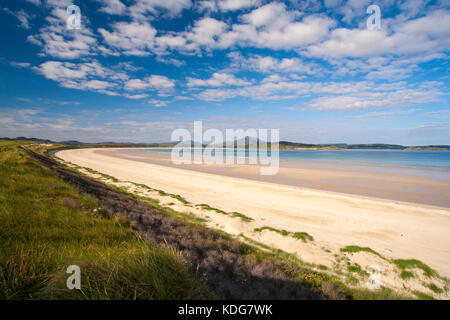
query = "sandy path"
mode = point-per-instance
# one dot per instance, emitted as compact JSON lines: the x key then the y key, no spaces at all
{"x":394,"y":229}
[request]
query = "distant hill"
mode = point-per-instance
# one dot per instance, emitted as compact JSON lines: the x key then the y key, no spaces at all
{"x":284,"y":145}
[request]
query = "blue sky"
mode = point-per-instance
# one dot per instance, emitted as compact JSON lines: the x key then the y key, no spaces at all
{"x":138,"y":69}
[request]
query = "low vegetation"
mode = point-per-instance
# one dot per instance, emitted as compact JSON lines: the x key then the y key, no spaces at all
{"x":405,"y":275}
{"x":304,"y":236}
{"x":354,"y":249}
{"x":404,"y":264}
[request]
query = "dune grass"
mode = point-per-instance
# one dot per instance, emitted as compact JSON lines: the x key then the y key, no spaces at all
{"x":405,"y":275}
{"x":47,"y":225}
{"x":404,"y":264}
{"x":354,"y":249}
{"x":304,"y":236}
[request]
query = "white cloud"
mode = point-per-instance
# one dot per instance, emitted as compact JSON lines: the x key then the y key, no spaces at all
{"x":59,"y":42}
{"x":231,"y":5}
{"x":270,"y":26}
{"x":217,"y":80}
{"x":131,"y":38}
{"x":20,"y":64}
{"x":378,"y":98}
{"x":158,"y":103}
{"x":22,"y":16}
{"x":270,"y":64}
{"x":273,"y":26}
{"x":35,"y":2}
{"x":205,"y":32}
{"x":83,"y":76}
{"x":114,"y":7}
{"x":142,"y":9}
{"x":155,"y":82}
{"x":226,"y":5}
{"x":430,"y":33}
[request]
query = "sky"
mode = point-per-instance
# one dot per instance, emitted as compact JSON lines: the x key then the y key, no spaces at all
{"x":136,"y":70}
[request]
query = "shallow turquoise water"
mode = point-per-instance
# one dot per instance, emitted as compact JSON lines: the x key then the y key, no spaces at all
{"x":403,"y":158}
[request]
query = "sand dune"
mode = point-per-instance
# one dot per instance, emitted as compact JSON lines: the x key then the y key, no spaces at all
{"x":394,"y":229}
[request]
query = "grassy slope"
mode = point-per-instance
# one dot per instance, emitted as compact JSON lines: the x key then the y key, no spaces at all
{"x":47,"y":225}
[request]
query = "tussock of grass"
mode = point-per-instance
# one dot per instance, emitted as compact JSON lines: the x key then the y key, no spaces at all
{"x":235,"y":214}
{"x":47,"y":225}
{"x":304,"y":236}
{"x":423,"y":296}
{"x":435,"y":288}
{"x":356,"y":268}
{"x":209,"y":208}
{"x":405,"y":275}
{"x":282,"y":232}
{"x":412,"y":264}
{"x":243,"y":217}
{"x":354,"y":249}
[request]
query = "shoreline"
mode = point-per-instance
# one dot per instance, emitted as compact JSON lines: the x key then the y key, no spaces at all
{"x":420,"y":186}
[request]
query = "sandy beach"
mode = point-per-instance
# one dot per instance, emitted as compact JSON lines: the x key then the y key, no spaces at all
{"x":428,"y":186}
{"x":395,"y":229}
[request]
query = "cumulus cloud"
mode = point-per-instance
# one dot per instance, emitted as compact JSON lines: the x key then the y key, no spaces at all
{"x":270,"y":64}
{"x":226,"y":5}
{"x":217,"y":80}
{"x":95,"y":77}
{"x":35,"y":2}
{"x":430,"y":33}
{"x":57,"y":41}
{"x":114,"y":7}
{"x":379,"y":97}
{"x":83,"y":76}
{"x":23,"y":17}
{"x":130,"y":38}
{"x":270,"y":26}
{"x":141,"y":10}
{"x":161,"y":84}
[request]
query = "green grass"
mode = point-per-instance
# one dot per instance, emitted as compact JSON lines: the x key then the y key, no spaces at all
{"x":282,"y":232}
{"x":404,"y":264}
{"x":423,"y":296}
{"x":435,"y":288}
{"x":304,"y":236}
{"x":356,"y":268}
{"x":405,"y":275}
{"x":235,"y":214}
{"x":209,"y":208}
{"x":47,"y":225}
{"x":351,"y":280}
{"x":354,"y":249}
{"x":243,"y":217}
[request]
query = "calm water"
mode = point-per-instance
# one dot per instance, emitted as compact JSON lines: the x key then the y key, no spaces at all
{"x":397,"y":158}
